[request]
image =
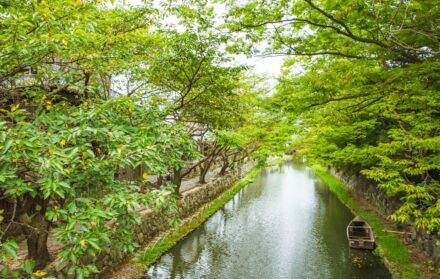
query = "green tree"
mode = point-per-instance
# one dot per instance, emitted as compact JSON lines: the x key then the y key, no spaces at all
{"x":367,"y":99}
{"x":402,"y":31}
{"x":193,"y":78}
{"x":62,"y":134}
{"x":383,"y":123}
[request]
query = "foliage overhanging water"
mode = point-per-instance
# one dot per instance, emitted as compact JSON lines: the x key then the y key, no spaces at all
{"x":286,"y":224}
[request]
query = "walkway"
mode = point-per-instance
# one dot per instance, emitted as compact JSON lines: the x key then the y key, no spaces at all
{"x":188,"y":184}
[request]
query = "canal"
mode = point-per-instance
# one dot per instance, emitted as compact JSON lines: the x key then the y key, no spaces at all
{"x":286,"y":224}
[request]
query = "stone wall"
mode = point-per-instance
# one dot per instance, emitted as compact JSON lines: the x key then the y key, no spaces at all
{"x":367,"y":190}
{"x":153,"y":222}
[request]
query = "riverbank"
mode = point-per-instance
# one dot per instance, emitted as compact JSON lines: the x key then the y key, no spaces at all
{"x":391,"y":248}
{"x":169,"y":239}
{"x":166,"y":240}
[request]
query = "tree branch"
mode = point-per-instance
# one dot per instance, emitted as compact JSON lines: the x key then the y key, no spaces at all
{"x":336,"y":99}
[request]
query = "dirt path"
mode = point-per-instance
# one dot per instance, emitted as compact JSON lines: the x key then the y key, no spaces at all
{"x":188,"y":184}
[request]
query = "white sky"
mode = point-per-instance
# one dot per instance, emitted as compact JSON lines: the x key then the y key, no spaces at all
{"x":269,"y":66}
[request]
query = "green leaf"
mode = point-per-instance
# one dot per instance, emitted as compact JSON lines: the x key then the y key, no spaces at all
{"x":5,"y":271}
{"x":10,"y":248}
{"x":28,"y":266}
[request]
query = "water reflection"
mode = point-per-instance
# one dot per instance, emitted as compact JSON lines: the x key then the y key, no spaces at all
{"x":285,"y":225}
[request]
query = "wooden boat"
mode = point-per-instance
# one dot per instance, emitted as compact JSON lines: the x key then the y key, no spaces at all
{"x":360,"y":235}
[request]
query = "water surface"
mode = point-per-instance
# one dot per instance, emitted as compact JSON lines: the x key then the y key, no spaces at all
{"x":286,"y":224}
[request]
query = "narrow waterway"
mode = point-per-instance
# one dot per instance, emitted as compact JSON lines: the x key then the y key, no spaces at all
{"x":286,"y":224}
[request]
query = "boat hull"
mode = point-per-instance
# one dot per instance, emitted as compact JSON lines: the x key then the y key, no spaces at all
{"x":362,"y":244}
{"x":360,"y":234}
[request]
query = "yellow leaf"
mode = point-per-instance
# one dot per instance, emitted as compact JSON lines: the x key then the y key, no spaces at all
{"x":14,"y":107}
{"x":23,"y":123}
{"x":144,"y":175}
{"x":48,"y":107}
{"x":93,"y":224}
{"x":39,"y":273}
{"x":51,"y":152}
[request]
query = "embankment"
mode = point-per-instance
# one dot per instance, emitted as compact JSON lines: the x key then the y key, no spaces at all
{"x":156,"y":233}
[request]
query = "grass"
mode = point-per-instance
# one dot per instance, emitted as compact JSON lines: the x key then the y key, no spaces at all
{"x":169,"y":239}
{"x":390,"y":247}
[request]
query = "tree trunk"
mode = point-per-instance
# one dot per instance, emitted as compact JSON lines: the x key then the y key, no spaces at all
{"x":37,"y":241}
{"x":177,"y":180}
{"x":203,"y":171}
{"x":234,"y":161}
{"x":224,"y":167}
{"x":36,"y":230}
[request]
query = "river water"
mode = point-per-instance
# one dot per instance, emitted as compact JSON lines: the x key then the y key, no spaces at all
{"x":286,"y":224}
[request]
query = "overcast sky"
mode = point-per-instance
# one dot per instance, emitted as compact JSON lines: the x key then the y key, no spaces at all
{"x":269,"y":66}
